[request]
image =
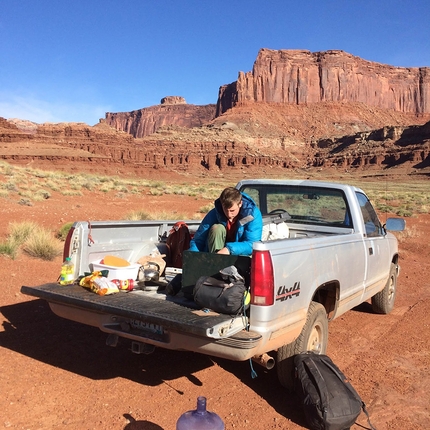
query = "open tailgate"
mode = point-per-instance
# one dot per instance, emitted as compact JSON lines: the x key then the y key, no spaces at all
{"x":168,"y":312}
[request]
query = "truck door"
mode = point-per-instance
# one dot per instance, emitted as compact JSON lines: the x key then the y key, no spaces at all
{"x":376,"y":248}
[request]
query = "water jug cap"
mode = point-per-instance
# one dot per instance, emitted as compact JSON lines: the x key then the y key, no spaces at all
{"x":201,"y":404}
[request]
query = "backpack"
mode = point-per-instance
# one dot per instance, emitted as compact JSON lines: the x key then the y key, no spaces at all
{"x":178,"y":241}
{"x":329,"y":400}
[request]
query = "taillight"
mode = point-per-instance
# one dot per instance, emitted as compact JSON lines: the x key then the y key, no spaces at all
{"x":66,"y":250}
{"x":262,"y":282}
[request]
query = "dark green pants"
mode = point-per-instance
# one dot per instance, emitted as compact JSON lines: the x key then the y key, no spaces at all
{"x":216,"y":237}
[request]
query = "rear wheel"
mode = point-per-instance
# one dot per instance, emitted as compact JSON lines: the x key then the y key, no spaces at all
{"x":383,"y":302}
{"x":314,"y":337}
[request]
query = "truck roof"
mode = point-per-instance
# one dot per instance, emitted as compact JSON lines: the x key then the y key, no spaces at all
{"x":297,"y":182}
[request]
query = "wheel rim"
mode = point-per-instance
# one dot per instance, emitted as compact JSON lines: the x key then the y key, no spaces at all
{"x":315,"y":340}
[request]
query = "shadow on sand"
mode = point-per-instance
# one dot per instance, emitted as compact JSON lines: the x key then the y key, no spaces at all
{"x":33,"y":330}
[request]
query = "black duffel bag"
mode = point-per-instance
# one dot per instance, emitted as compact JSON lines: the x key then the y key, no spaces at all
{"x":225,"y":296}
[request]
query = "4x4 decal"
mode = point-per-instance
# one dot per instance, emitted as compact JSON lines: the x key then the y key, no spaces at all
{"x":285,"y":293}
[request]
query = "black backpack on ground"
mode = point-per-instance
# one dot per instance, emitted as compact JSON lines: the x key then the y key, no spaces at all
{"x":329,"y":400}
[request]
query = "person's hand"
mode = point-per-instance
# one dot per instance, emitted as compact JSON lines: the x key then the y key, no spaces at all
{"x":224,"y":251}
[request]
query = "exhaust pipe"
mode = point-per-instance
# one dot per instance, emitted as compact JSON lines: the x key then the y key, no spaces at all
{"x":264,"y":360}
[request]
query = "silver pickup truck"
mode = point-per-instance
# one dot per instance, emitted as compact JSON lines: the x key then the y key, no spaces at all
{"x":333,"y":254}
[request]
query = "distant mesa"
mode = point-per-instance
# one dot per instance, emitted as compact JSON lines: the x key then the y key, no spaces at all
{"x":293,"y":78}
{"x":173,"y":110}
{"x":173,"y":100}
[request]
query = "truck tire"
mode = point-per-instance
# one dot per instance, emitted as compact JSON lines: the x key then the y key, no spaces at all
{"x":313,"y":337}
{"x":383,"y":302}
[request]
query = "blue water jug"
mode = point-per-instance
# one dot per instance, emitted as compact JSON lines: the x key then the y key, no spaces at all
{"x":200,"y":419}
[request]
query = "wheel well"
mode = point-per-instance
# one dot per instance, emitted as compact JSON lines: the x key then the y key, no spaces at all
{"x":328,"y":295}
{"x":395,"y":261}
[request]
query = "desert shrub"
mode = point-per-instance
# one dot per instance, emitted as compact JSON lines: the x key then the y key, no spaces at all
{"x":424,"y":209}
{"x":168,"y":215}
{"x":10,"y":186}
{"x":181,"y":191}
{"x":135,"y":190}
{"x":383,"y":207}
{"x":6,"y":169}
{"x":137,"y":216}
{"x":75,"y":185}
{"x":19,"y":232}
{"x":156,"y":192}
{"x":206,"y":208}
{"x":40,"y":195}
{"x":163,"y":215}
{"x":403,"y":212}
{"x":54,"y":186}
{"x":42,"y":244}
{"x":63,"y":231}
{"x":39,"y":173}
{"x":106,"y":187}
{"x":68,"y":192}
{"x":26,"y":193}
{"x":9,"y":248}
{"x":157,"y":184}
{"x":25,"y":202}
{"x":89,"y":185}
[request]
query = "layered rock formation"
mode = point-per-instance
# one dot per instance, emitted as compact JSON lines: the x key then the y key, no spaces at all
{"x":303,"y":77}
{"x":210,"y":150}
{"x":383,"y":148}
{"x":173,"y":110}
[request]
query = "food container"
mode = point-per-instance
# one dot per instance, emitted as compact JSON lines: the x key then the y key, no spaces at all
{"x":120,"y":273}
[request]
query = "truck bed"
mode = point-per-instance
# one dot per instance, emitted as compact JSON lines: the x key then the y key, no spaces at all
{"x":170,"y":312}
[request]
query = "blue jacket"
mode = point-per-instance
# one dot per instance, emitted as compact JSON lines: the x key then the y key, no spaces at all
{"x":249,"y":230}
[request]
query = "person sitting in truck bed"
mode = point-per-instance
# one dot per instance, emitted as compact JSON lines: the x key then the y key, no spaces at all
{"x":231,"y":227}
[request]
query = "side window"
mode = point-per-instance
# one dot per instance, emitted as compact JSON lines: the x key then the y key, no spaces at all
{"x":370,"y":218}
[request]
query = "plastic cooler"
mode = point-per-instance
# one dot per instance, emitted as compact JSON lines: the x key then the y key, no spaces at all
{"x":121,"y":273}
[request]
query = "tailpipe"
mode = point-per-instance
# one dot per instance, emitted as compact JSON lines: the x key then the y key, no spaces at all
{"x":264,"y":360}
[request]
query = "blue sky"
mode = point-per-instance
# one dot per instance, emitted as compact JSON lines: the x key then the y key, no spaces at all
{"x":72,"y":61}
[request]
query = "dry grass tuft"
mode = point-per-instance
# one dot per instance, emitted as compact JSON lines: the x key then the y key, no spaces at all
{"x":42,"y":244}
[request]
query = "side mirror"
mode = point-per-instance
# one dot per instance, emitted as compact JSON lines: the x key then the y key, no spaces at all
{"x":395,"y":224}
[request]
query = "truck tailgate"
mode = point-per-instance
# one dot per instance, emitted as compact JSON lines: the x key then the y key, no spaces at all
{"x":166,"y":312}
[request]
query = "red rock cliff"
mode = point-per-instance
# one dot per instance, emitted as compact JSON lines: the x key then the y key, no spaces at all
{"x":301,"y":77}
{"x":173,"y":110}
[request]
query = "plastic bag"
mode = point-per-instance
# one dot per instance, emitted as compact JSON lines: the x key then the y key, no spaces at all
{"x":98,"y":284}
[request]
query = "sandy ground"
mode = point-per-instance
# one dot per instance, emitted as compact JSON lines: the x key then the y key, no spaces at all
{"x":60,"y":374}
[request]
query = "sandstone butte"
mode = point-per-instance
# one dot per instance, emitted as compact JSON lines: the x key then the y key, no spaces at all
{"x":294,"y":110}
{"x":302,"y":77}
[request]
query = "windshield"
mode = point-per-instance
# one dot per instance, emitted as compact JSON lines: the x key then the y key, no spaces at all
{"x":304,"y":204}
